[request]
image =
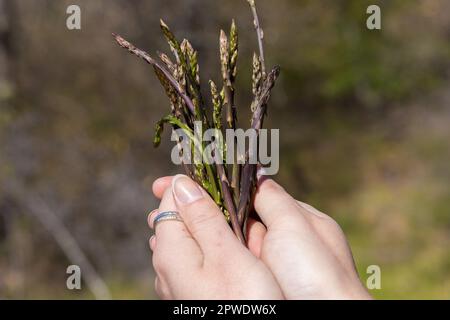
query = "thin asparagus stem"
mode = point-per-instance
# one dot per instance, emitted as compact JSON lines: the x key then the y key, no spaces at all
{"x":249,"y":170}
{"x":228,"y":59}
{"x":260,"y":35}
{"x":144,"y":55}
{"x":236,"y":167}
{"x":259,"y":107}
{"x":229,"y":204}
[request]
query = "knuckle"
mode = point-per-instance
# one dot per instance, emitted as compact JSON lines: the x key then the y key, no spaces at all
{"x":335,"y":225}
{"x":332,"y":225}
{"x":201,"y":222}
{"x":318,"y":215}
{"x":326,"y":218}
{"x":203,"y":218}
{"x":159,"y":262}
{"x":329,"y":221}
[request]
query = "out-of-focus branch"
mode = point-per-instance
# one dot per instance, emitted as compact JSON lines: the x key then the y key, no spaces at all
{"x":44,"y":213}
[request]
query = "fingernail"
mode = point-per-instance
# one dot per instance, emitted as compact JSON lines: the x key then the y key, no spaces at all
{"x":261,"y":172}
{"x":185,"y":190}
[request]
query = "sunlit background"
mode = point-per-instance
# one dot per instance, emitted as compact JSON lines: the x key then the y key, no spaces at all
{"x":364,"y":118}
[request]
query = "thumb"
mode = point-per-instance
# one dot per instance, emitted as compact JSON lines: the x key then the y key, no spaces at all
{"x":201,"y":215}
{"x":275,"y":206}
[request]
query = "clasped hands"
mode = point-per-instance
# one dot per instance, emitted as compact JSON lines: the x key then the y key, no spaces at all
{"x":296,"y":252}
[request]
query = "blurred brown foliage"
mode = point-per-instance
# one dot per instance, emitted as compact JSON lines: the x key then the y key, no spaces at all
{"x":363,"y":116}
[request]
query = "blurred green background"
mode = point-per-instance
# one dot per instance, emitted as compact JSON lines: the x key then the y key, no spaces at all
{"x":364,"y":118}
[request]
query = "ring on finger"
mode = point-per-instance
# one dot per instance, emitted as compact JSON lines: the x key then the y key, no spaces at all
{"x":166,"y":216}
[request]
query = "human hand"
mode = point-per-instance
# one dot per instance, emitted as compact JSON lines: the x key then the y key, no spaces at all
{"x":201,"y":258}
{"x":305,"y":249}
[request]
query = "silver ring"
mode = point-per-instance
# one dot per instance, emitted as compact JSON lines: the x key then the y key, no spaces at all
{"x":167,"y":216}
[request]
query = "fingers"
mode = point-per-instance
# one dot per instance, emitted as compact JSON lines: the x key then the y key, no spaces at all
{"x":152,"y":242}
{"x":151,"y":217}
{"x":331,"y":234}
{"x":255,"y":236}
{"x":160,"y":185}
{"x":175,"y":252}
{"x":204,"y":220}
{"x":275,"y":206}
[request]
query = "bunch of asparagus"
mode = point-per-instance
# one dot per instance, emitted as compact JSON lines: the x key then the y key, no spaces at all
{"x":230,"y":185}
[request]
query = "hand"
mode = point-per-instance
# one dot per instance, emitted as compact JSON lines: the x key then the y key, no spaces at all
{"x":305,"y":249}
{"x":201,"y":258}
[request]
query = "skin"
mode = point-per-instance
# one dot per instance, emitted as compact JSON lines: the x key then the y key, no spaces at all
{"x":296,"y":252}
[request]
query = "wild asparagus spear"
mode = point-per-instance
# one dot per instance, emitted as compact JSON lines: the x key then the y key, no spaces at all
{"x":233,"y":189}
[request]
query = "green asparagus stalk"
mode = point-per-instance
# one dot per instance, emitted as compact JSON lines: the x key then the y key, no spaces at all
{"x":232,"y":190}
